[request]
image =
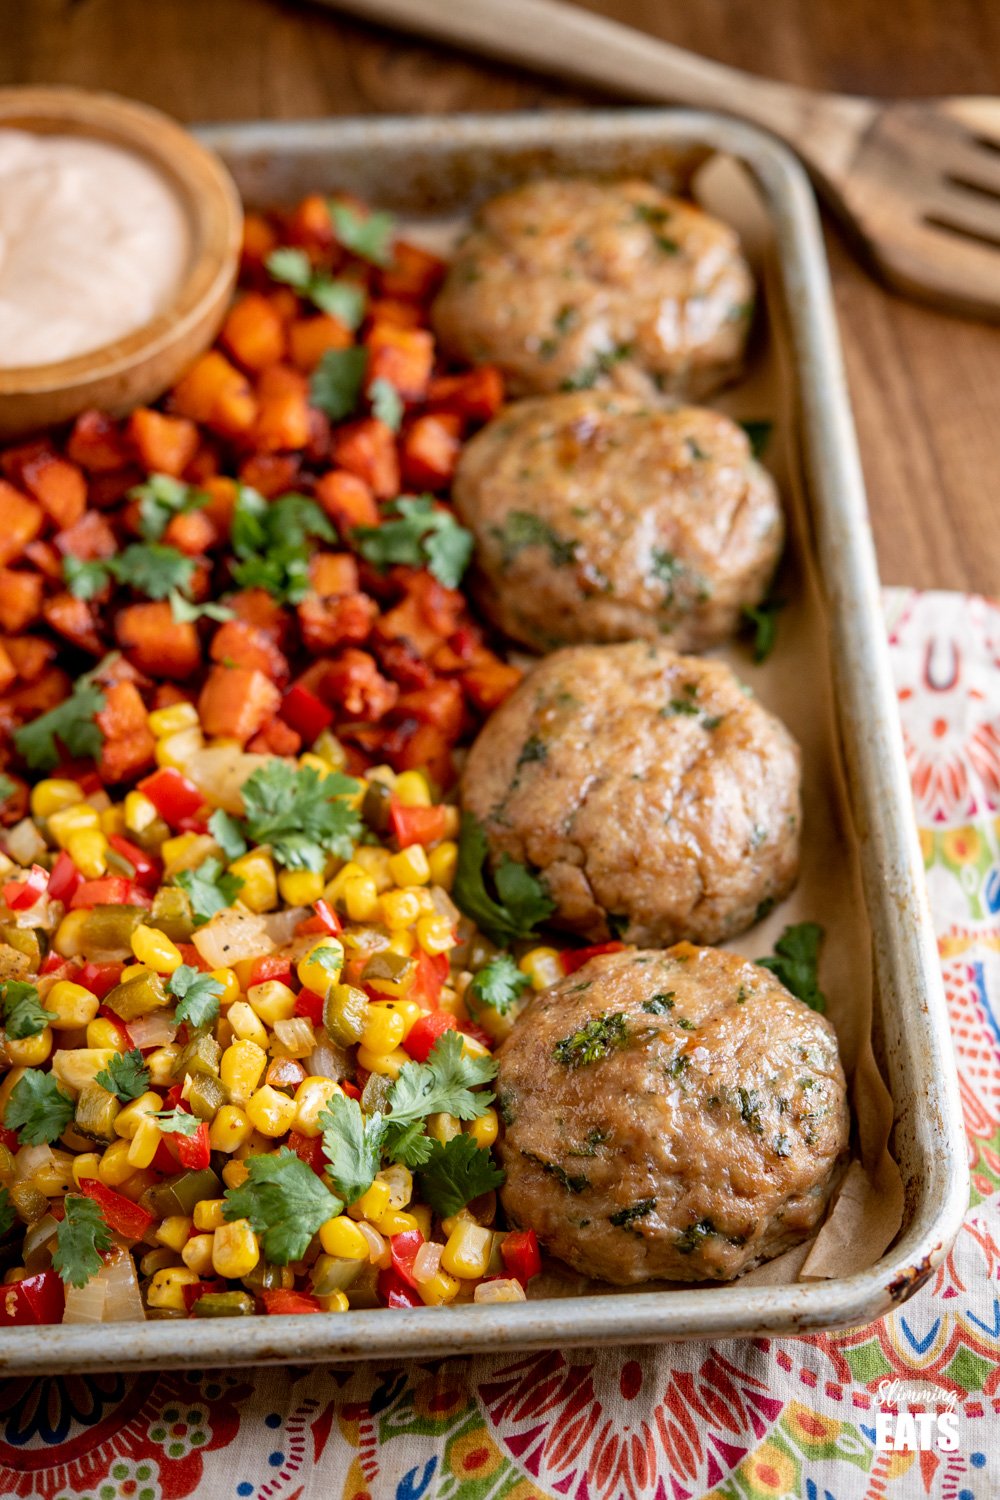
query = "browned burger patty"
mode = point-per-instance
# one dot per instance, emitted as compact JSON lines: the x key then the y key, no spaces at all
{"x":655,"y":797}
{"x":566,"y":284}
{"x":672,"y":1115}
{"x":600,"y":518}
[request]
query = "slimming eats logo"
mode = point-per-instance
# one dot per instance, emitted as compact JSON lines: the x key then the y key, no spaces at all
{"x":906,"y":1430}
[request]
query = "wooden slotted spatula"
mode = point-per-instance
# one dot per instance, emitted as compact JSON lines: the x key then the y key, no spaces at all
{"x":916,"y":182}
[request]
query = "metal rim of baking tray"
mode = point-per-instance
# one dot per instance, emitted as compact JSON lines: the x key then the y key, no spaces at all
{"x":913,"y":1012}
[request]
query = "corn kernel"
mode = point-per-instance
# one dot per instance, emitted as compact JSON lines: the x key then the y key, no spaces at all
{"x":394,"y":1222}
{"x":361,"y":899}
{"x":374,"y":861}
{"x":435,"y":935}
{"x":177,"y":750}
{"x":30,"y":1051}
{"x":145,"y":1142}
{"x":240,"y":1068}
{"x":172,"y":719}
{"x":398,"y":909}
{"x":246,"y":1023}
{"x":402,"y":942}
{"x":196,"y":1253}
{"x":140,"y":813}
{"x":439,"y":1289}
{"x":155,"y":950}
{"x":320,"y":968}
{"x":86,"y":1167}
{"x":73,"y":819}
{"x":473,"y":1048}
{"x":208,"y":1213}
{"x":115,"y":1167}
{"x":133,"y":971}
{"x":388,"y":1065}
{"x":422,"y":1213}
{"x":75,"y":1066}
{"x":166,"y":1288}
{"x":443,"y":1128}
{"x":235,"y":1251}
{"x":174,"y":1231}
{"x":372,"y":1204}
{"x":334,"y":889}
{"x":71,"y":1005}
{"x":112,"y":820}
{"x":52,"y":795}
{"x":127,"y":1120}
{"x":501,"y":1289}
{"x":230,"y":985}
{"x":467,"y":1252}
{"x":260,"y":883}
{"x":443,"y":861}
{"x":484,"y":1130}
{"x":542,"y":966}
{"x":103,"y":1033}
{"x":270,"y":1111}
{"x":341,"y":1236}
{"x":229,"y":1130}
{"x":234,"y":1174}
{"x":69,"y":934}
{"x":408,"y":1009}
{"x":411,"y":789}
{"x":300,"y":887}
{"x":54,"y":1177}
{"x":410,"y":866}
{"x":384,"y":1029}
{"x":88,"y":849}
{"x":161,"y":1064}
{"x":311,"y":1098}
{"x":272,"y":1001}
{"x":185,"y":851}
{"x":335,"y":1302}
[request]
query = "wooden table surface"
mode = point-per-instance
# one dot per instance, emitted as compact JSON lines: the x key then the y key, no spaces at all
{"x":925,"y":386}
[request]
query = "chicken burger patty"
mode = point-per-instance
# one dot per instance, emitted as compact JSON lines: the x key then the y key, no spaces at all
{"x":566,"y":284}
{"x":670,"y":1115}
{"x":657,"y":799}
{"x":598,"y":517}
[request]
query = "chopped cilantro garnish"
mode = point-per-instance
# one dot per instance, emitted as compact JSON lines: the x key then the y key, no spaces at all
{"x":796,"y":962}
{"x":38,"y":1109}
{"x":456,"y":1172}
{"x":368,"y":236}
{"x":417,"y":532}
{"x":387,"y":404}
{"x":659,"y":1005}
{"x":161,"y":498}
{"x":197,"y":994}
{"x":498,"y":986}
{"x":185,"y":611}
{"x":301,"y":815}
{"x":285,"y":1203}
{"x":523,"y":902}
{"x":763,"y":618}
{"x":625,"y":1216}
{"x":85,"y":578}
{"x":352,"y":1144}
{"x":759,"y":434}
{"x":600,"y":1036}
{"x":24,"y":1014}
{"x":343,"y":300}
{"x":80,"y":1238}
{"x":71,"y":724}
{"x":441,"y":1085}
{"x":125,"y":1076}
{"x":227,"y":833}
{"x":335,"y":387}
{"x":7,"y":788}
{"x":271,"y":541}
{"x":177,"y":1122}
{"x":209,"y":888}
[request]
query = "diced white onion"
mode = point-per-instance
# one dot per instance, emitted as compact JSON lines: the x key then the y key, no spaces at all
{"x":29,"y":1159}
{"x":37,"y":1253}
{"x":155,"y":1030}
{"x":85,"y":1304}
{"x":219,"y":771}
{"x":500,"y":1290}
{"x":123,"y":1301}
{"x":376,"y":1244}
{"x":444,"y":906}
{"x":280,"y":925}
{"x":24,"y":843}
{"x":326,"y":1060}
{"x":427,"y":1262}
{"x":296,"y":1036}
{"x":230,"y":936}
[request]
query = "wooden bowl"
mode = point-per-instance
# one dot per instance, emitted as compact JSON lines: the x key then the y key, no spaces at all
{"x":140,"y":366}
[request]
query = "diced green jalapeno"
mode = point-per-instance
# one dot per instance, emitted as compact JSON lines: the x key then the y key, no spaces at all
{"x":171,"y":914}
{"x":206,"y":1096}
{"x":178,"y":1195}
{"x":25,"y":940}
{"x":201,"y":1055}
{"x":109,"y":929}
{"x":137,"y":996}
{"x":28,"y":1202}
{"x":264,"y":1277}
{"x":344,"y":1013}
{"x":375,"y":806}
{"x":223,"y":1305}
{"x":96,"y":1112}
{"x":334,"y":1273}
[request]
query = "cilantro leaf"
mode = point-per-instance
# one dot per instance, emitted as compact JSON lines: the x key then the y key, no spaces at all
{"x":524,"y":902}
{"x":197,"y":993}
{"x":301,"y":815}
{"x":387,"y":404}
{"x":70,"y":724}
{"x":498,"y":986}
{"x":407,"y":1143}
{"x":177,"y":1122}
{"x":126,"y":1076}
{"x":284,"y":1201}
{"x":38,"y":1109}
{"x":335,"y":387}
{"x":601,"y":1036}
{"x":80,"y":1238}
{"x":7,"y":1214}
{"x":796,"y":962}
{"x":442,"y":1085}
{"x":522,"y":528}
{"x":152,"y":569}
{"x":352,"y":1144}
{"x":270,"y":540}
{"x":209,"y":889}
{"x":7,"y":788}
{"x":227,"y":832}
{"x":456,"y":1172}
{"x":343,"y":300}
{"x":185,"y":611}
{"x":416,"y":532}
{"x":369,"y":236}
{"x":85,"y":579}
{"x":759,"y":434}
{"x":23,"y":1012}
{"x":763,"y":618}
{"x":161,"y":498}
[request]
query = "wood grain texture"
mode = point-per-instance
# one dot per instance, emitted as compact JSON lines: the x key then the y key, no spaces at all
{"x":923,"y":384}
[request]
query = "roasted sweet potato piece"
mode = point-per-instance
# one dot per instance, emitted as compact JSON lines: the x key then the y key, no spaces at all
{"x":424,"y":748}
{"x":74,"y":619}
{"x":21,"y":520}
{"x":439,"y":704}
{"x":33,"y":698}
{"x":309,"y":224}
{"x":124,"y":712}
{"x":270,"y":473}
{"x":221,"y":492}
{"x":165,"y":445}
{"x":310,"y":338}
{"x":215,"y":392}
{"x":236,"y":702}
{"x":30,"y":655}
{"x":97,"y":443}
{"x":347,"y":500}
{"x":259,"y":239}
{"x":254,"y":333}
{"x":395,"y":314}
{"x":430,"y":449}
{"x":47,"y":560}
{"x":8,"y":672}
{"x":155,"y":643}
{"x":282,"y":422}
{"x":108,"y":489}
{"x":58,"y":485}
{"x":328,"y":623}
{"x":20,"y":599}
{"x":240,"y":644}
{"x":354,"y":685}
{"x":91,"y":537}
{"x":276,"y":738}
{"x":191,"y":533}
{"x":477,"y":395}
{"x":489,"y":685}
{"x":333,"y":573}
{"x":413,"y":275}
{"x":402,"y":356}
{"x":368,"y":449}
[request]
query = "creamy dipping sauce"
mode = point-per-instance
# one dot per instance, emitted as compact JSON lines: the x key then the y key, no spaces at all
{"x":93,"y":244}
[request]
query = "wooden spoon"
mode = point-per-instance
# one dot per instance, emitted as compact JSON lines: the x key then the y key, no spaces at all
{"x":916,"y":182}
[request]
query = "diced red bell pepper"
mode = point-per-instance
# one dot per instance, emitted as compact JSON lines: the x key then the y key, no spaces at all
{"x":426,"y":1031}
{"x":270,"y":966}
{"x":476,"y":1032}
{"x":36,"y":1299}
{"x":308,"y":1148}
{"x":416,"y":825}
{"x":107,"y":983}
{"x":172,"y":1099}
{"x":404,"y":1249}
{"x":306,"y":713}
{"x":146,"y":867}
{"x":350,"y":1089}
{"x":22,"y":894}
{"x":110,"y":890}
{"x":279,"y":1300}
{"x":173,"y":795}
{"x":310,"y":1005}
{"x":9,"y":1139}
{"x":521,"y":1254}
{"x":325,"y":919}
{"x":194,"y":1151}
{"x":65,"y":879}
{"x":122,"y":1215}
{"x":432,"y":971}
{"x":166,"y":1159}
{"x":198,"y":1289}
{"x":192,"y":957}
{"x":52,"y":963}
{"x":575,"y":958}
{"x":100,"y":979}
{"x":394,"y":1291}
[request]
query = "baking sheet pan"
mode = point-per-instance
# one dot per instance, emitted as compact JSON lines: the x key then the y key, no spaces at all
{"x":432,"y":169}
